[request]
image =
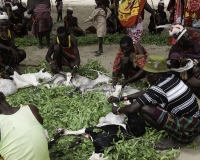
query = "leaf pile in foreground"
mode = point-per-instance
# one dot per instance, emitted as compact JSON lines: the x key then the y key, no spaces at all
{"x":58,"y":110}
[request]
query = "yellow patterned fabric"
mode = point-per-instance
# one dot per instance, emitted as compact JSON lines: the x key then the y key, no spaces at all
{"x":129,"y":12}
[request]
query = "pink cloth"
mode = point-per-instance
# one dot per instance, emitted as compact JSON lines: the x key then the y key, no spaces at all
{"x":136,"y":31}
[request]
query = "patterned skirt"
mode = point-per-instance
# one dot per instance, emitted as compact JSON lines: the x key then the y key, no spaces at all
{"x":136,"y":31}
{"x":184,"y":129}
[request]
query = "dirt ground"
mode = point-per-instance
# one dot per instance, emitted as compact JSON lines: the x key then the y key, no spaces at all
{"x":82,"y":9}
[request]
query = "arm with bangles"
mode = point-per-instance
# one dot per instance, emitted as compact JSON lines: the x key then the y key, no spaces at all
{"x":124,"y":98}
{"x":128,"y":109}
{"x":148,"y":8}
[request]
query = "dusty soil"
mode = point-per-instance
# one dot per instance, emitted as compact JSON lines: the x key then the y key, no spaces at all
{"x":82,"y":9}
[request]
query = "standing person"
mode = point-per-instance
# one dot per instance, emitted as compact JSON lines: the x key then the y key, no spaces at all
{"x":113,"y":24}
{"x":71,"y":22}
{"x":153,"y":23}
{"x":99,"y":15}
{"x":167,"y":105}
{"x":59,"y":7}
{"x":176,"y":8}
{"x":22,"y":133}
{"x":10,"y":55}
{"x":65,"y":52}
{"x":42,"y":24}
{"x":129,"y":61}
{"x":131,"y":15}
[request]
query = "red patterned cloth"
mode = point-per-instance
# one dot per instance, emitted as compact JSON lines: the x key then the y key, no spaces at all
{"x":138,"y":60}
{"x":195,"y":34}
{"x":191,"y":12}
{"x":175,"y":9}
{"x":43,"y":21}
{"x":67,"y":56}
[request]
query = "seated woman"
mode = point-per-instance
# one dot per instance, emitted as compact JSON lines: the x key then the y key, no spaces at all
{"x":10,"y":56}
{"x":163,"y":19}
{"x":18,"y":23}
{"x":72,"y":22}
{"x":21,"y":5}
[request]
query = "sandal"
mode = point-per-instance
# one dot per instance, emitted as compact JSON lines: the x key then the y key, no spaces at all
{"x":98,"y":53}
{"x":40,"y":46}
{"x":167,"y":143}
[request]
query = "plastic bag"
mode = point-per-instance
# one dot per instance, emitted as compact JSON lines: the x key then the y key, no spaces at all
{"x":7,"y":87}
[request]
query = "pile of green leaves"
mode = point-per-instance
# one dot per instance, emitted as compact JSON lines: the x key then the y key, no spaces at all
{"x":29,"y":41}
{"x":77,"y":112}
{"x":161,"y":39}
{"x":157,"y":39}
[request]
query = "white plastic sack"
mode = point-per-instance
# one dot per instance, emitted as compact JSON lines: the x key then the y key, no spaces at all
{"x":7,"y":87}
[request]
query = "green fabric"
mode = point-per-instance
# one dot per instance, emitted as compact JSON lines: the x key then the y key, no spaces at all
{"x":22,"y":136}
{"x":156,"y":64}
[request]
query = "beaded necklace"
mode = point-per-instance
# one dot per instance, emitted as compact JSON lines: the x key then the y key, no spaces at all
{"x":69,"y":40}
{"x":9,"y":35}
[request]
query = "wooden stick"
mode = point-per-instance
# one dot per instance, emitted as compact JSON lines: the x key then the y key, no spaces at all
{"x":154,"y":15}
{"x":32,"y":65}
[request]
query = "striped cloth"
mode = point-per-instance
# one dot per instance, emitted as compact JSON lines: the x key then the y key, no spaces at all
{"x":179,"y":113}
{"x":173,"y":95}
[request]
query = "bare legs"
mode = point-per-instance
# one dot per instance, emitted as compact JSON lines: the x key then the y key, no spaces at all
{"x":59,"y":17}
{"x":98,"y":53}
{"x":40,"y":35}
{"x":125,"y":63}
{"x":146,"y":112}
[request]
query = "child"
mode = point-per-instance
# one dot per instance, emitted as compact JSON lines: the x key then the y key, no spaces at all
{"x":99,"y":15}
{"x":163,"y":19}
{"x":59,"y":7}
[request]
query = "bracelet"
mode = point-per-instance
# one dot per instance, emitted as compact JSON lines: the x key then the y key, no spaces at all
{"x":125,"y":98}
{"x":6,"y":68}
{"x":51,"y":62}
{"x":118,"y":110}
{"x":114,"y":77}
{"x":75,"y":67}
